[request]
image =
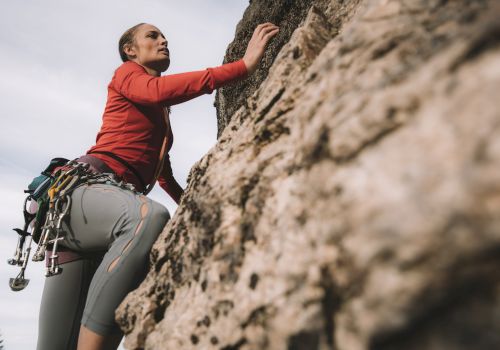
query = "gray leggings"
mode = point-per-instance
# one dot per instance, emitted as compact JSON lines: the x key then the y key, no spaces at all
{"x":123,"y":226}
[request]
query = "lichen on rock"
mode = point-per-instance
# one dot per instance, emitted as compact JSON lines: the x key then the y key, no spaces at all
{"x":352,"y":200}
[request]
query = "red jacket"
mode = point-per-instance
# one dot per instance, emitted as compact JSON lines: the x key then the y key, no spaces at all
{"x":133,"y":124}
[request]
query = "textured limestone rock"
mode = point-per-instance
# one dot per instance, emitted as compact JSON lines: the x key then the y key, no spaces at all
{"x":353,"y":198}
{"x":288,"y":14}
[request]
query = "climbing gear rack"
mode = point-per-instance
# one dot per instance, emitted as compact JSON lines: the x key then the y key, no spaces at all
{"x":53,"y":196}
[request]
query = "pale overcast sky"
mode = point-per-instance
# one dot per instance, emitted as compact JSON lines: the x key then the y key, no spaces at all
{"x":57,"y":60}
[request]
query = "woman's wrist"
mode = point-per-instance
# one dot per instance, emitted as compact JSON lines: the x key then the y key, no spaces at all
{"x":249,"y":65}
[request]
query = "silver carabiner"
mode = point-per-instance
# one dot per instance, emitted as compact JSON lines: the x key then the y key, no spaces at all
{"x":54,"y":268}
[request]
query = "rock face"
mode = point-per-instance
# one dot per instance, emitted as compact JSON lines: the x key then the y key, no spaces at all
{"x":353,"y":198}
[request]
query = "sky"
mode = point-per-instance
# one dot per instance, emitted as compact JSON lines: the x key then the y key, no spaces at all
{"x":57,"y":58}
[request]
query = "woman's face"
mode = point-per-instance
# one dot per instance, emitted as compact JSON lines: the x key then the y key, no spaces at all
{"x":149,"y":48}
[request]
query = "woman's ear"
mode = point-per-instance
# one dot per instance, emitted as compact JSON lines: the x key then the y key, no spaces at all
{"x":130,"y":51}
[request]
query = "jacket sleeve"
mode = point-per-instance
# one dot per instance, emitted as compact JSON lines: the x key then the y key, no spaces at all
{"x":133,"y":82}
{"x":168,"y":183}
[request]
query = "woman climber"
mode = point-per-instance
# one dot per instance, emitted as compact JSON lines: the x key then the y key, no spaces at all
{"x":110,"y":229}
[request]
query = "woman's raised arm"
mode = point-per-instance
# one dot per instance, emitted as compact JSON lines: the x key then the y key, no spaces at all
{"x":132,"y":81}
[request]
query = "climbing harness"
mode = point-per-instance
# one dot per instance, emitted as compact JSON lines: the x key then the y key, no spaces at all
{"x":52,"y":194}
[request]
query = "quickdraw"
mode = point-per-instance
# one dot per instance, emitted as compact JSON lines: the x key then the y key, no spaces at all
{"x":54,"y":207}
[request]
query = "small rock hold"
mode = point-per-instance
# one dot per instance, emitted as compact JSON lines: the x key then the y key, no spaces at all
{"x":254,"y":279}
{"x":296,"y":53}
{"x":338,"y":190}
{"x":194,"y":339}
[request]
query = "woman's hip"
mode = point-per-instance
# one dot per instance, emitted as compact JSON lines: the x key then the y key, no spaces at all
{"x":100,"y":213}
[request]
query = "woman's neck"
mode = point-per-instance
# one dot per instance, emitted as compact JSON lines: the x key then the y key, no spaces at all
{"x":152,"y":71}
{"x":149,"y":70}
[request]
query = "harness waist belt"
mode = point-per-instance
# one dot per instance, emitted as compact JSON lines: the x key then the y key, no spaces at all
{"x":126,"y":164}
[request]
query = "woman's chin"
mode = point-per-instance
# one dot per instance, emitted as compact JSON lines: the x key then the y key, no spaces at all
{"x":163,"y":64}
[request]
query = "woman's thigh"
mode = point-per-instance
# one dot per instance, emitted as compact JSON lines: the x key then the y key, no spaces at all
{"x":122,"y":224}
{"x":63,"y":301}
{"x":123,"y":266}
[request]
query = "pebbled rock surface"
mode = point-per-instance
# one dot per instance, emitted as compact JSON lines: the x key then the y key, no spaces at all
{"x":353,"y":198}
